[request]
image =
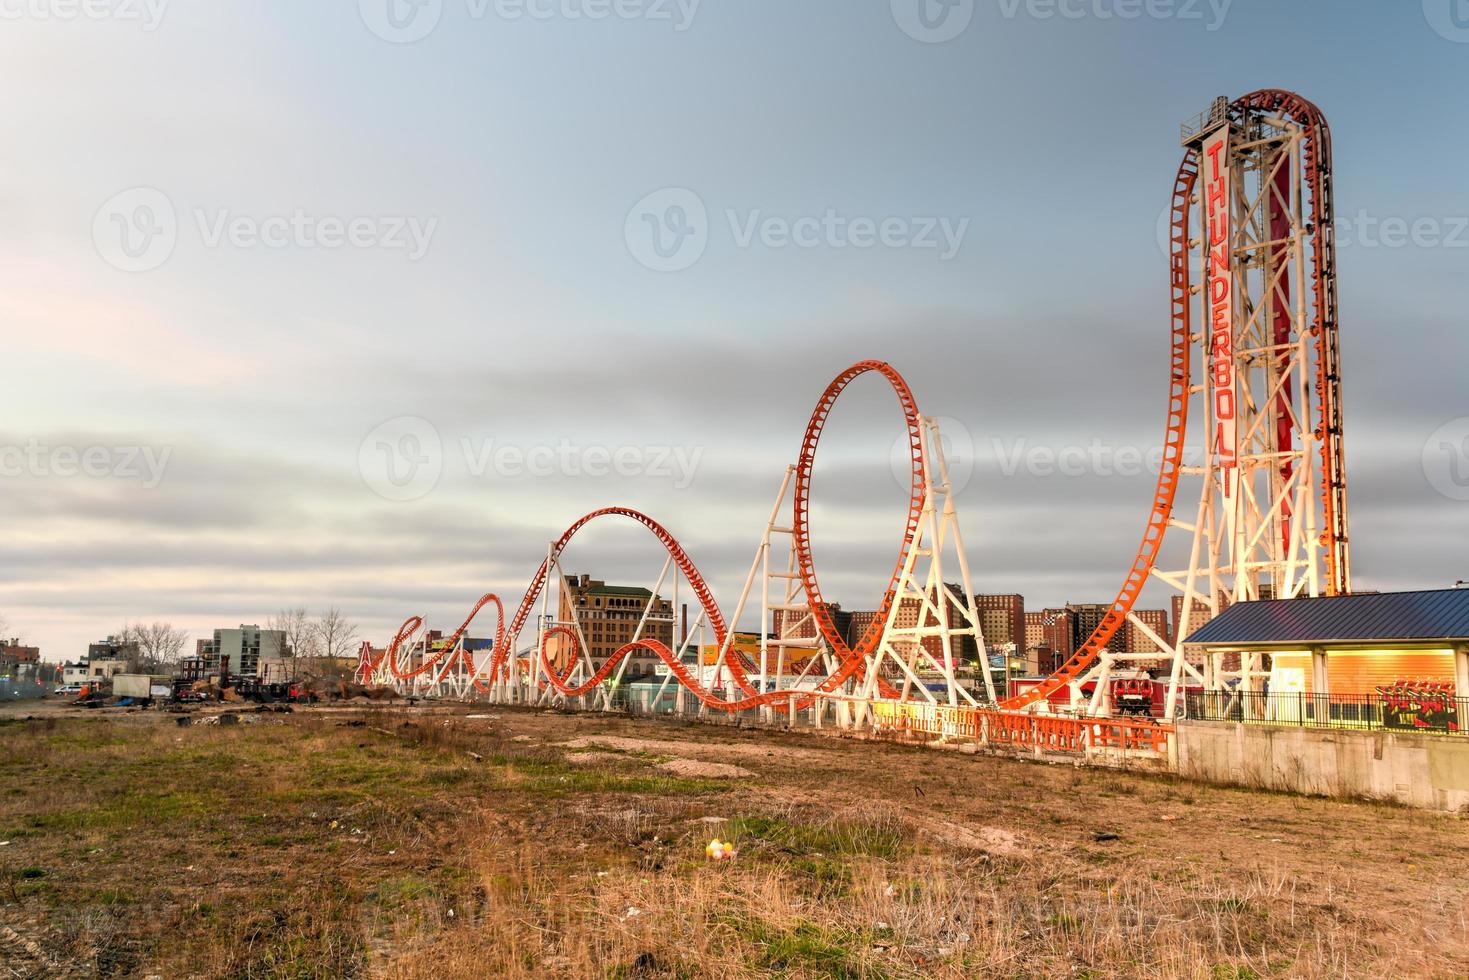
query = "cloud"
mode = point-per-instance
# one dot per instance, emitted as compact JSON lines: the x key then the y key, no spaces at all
{"x":528,"y":323}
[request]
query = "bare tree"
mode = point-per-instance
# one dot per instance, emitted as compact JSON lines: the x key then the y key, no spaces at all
{"x":128,"y":642}
{"x":158,"y":644}
{"x":335,"y":633}
{"x":301,"y":638}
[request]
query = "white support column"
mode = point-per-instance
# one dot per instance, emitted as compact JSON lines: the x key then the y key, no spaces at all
{"x":927,"y":596}
{"x":1320,"y":688}
{"x":1461,"y":671}
{"x":1319,"y":684}
{"x":537,"y":669}
{"x":605,"y":696}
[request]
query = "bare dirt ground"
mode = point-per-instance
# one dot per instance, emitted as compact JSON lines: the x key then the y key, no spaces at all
{"x":407,"y":842}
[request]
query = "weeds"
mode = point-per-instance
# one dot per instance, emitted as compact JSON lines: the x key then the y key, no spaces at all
{"x":408,"y":846}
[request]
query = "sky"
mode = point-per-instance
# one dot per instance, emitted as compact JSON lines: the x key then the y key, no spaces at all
{"x":356,"y":304}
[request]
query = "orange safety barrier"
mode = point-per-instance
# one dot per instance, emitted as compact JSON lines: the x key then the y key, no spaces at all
{"x":1046,"y":733}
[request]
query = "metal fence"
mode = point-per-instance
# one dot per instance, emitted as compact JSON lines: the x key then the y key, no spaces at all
{"x":1407,"y":711}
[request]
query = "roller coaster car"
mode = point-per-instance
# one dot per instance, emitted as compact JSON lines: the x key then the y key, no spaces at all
{"x":1132,"y":696}
{"x":1136,"y":694}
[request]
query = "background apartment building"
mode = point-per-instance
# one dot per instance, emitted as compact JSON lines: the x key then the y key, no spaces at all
{"x":1197,"y":617}
{"x":910,"y":611}
{"x":18,"y":660}
{"x":798,"y":624}
{"x":609,"y":616}
{"x":238,"y":652}
{"x":1136,"y":641}
{"x":1002,"y":621}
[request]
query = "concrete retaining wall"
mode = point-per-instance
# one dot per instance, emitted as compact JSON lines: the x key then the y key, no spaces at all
{"x":1427,"y":771}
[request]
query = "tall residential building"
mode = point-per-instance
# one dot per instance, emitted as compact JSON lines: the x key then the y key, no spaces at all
{"x":1136,"y":641}
{"x":1086,"y":617}
{"x":1198,"y":616}
{"x":906,"y":616}
{"x":1002,"y":621}
{"x":1035,"y":630}
{"x":609,"y":616}
{"x":239,"y":651}
{"x":910,"y":611}
{"x":796,"y":624}
{"x":857,"y":625}
{"x":1060,"y":632}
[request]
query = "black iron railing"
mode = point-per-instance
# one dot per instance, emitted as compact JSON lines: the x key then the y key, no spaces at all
{"x":1430,"y":713}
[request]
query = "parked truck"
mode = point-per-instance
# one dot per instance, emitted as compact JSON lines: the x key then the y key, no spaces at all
{"x":141,"y":687}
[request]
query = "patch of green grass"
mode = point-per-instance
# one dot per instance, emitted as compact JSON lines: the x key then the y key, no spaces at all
{"x":539,"y":775}
{"x":805,"y":948}
{"x":1064,"y":922}
{"x":105,"y":896}
{"x":1229,"y":971}
{"x":1234,"y":904}
{"x":874,"y":838}
{"x":320,"y":796}
{"x":360,"y":769}
{"x":129,"y":808}
{"x":87,"y":737}
{"x":448,"y":777}
{"x":827,"y":877}
{"x":400,"y":890}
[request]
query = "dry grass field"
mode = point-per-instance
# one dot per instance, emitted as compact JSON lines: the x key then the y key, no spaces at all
{"x":424,"y":843}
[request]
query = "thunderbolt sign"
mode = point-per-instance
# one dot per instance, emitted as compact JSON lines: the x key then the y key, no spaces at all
{"x":1221,"y":302}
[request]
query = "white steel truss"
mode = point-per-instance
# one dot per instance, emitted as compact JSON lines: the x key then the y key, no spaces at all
{"x":933,"y":609}
{"x":926,"y":606}
{"x":1255,"y":533}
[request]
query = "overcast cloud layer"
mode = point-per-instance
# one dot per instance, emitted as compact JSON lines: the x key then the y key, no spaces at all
{"x":237,"y":241}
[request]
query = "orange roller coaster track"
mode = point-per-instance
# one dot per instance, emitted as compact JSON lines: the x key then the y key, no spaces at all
{"x":1283,"y":141}
{"x":851,"y":659}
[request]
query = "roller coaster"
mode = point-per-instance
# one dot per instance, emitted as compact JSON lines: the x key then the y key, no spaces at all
{"x":1254,"y":390}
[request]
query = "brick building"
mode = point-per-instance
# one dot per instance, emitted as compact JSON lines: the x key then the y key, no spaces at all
{"x":1049,"y":639}
{"x":907,"y":616}
{"x":1136,"y":641}
{"x":1035,"y":630}
{"x":858,"y":624}
{"x":18,"y":660}
{"x":1086,"y":617}
{"x":1002,"y":620}
{"x":609,"y":616}
{"x":1060,"y":632}
{"x":964,"y":651}
{"x":796,"y":624}
{"x":1198,"y":616}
